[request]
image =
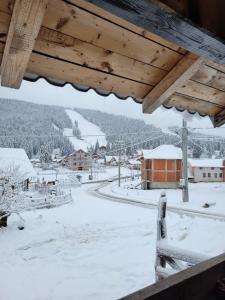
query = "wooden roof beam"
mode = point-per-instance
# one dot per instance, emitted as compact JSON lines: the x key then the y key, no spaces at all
{"x":183,"y":71}
{"x":24,"y":27}
{"x":154,"y":16}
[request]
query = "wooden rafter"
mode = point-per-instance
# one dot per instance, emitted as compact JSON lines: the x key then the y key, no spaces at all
{"x":183,"y":71}
{"x":154,"y":16}
{"x":24,"y":27}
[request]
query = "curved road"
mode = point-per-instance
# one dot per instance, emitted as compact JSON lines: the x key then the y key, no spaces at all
{"x":181,"y":211}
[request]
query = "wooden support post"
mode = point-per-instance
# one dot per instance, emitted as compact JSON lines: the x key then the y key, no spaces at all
{"x":161,"y":234}
{"x":185,"y":193}
{"x":183,"y":71}
{"x":23,"y":30}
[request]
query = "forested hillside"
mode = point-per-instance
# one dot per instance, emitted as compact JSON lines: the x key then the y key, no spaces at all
{"x":34,"y":127}
{"x":136,"y":134}
{"x":128,"y":133}
{"x":30,"y":126}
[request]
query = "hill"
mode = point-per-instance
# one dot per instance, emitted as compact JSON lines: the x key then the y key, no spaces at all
{"x":31,"y":126}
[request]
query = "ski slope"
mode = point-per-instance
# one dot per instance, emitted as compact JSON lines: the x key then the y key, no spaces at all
{"x":90,"y":133}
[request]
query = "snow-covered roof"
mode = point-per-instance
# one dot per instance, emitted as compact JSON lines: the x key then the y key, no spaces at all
{"x":206,"y":163}
{"x":163,"y":152}
{"x":16,"y":157}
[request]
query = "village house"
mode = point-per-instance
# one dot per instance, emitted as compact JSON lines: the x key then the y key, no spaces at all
{"x":16,"y":160}
{"x":111,"y":160}
{"x":161,"y":167}
{"x":207,"y":170}
{"x":79,"y":160}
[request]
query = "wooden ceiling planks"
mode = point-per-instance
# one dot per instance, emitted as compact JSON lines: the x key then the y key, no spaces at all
{"x":184,"y":102}
{"x":65,"y":47}
{"x":154,"y":16}
{"x":54,"y":68}
{"x":90,"y":28}
{"x":123,"y":23}
{"x":71,"y":49}
{"x":81,"y":44}
{"x":182,"y":72}
{"x":201,"y":91}
{"x":210,"y":77}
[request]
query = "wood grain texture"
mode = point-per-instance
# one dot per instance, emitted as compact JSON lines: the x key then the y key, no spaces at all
{"x":65,"y":71}
{"x":53,"y":43}
{"x":184,"y":70}
{"x":157,"y":18}
{"x":210,"y":77}
{"x":24,"y":27}
{"x":201,"y":91}
{"x":71,"y":49}
{"x":183,"y":102}
{"x":121,"y":22}
{"x":90,"y":28}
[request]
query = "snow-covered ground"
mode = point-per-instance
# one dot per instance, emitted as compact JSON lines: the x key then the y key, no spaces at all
{"x":100,"y":173}
{"x":92,"y":249}
{"x":90,"y":133}
{"x":199,"y":194}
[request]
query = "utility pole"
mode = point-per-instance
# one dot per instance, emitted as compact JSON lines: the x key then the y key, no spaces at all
{"x":119,"y":170}
{"x":185,"y":193}
{"x":119,"y":162}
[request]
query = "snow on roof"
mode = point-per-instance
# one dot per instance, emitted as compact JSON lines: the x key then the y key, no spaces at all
{"x":163,"y":152}
{"x":15,"y":157}
{"x":206,"y":163}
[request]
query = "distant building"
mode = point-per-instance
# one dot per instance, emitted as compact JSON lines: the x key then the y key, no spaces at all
{"x":77,"y":161}
{"x":207,"y":170}
{"x":161,"y":167}
{"x":111,"y":160}
{"x":134,"y":164}
{"x":17,"y":159}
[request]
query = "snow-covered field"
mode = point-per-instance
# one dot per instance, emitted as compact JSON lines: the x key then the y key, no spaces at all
{"x":101,"y":173}
{"x":92,"y":249}
{"x":90,"y":132}
{"x":199,"y":194}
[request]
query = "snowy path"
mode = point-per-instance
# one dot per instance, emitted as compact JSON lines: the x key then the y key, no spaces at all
{"x":92,"y":249}
{"x":106,"y":194}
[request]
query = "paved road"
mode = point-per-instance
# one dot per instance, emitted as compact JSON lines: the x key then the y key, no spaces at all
{"x":181,"y":211}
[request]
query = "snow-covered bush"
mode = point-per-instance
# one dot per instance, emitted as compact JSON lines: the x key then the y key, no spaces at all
{"x":11,"y":183}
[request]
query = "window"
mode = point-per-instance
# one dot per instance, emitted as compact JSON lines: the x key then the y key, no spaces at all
{"x":221,"y":169}
{"x":215,"y":175}
{"x":209,"y":175}
{"x":221,"y":175}
{"x":200,"y":168}
{"x":212,"y":168}
{"x":204,"y":175}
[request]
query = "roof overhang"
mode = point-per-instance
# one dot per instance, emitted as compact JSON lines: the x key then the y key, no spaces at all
{"x":141,"y":49}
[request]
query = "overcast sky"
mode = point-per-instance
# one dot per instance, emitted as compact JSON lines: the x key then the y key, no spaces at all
{"x":43,"y":93}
